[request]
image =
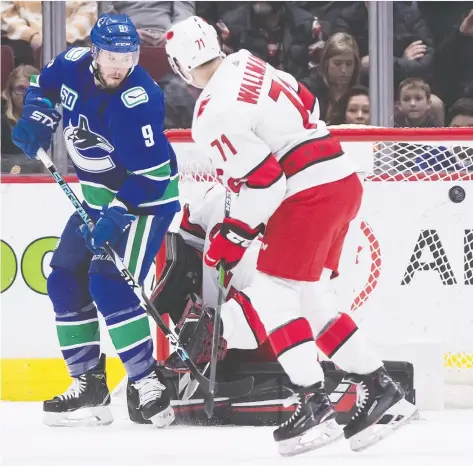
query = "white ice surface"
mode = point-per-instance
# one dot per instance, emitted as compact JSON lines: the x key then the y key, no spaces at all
{"x":437,"y":439}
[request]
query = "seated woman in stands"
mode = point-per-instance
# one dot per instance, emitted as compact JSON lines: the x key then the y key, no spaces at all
{"x":357,"y":109}
{"x":338,"y":72}
{"x":12,"y":105}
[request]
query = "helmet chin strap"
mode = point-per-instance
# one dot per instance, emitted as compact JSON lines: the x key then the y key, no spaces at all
{"x":98,"y":77}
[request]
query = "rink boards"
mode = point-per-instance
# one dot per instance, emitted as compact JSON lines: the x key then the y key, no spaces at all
{"x":406,"y":273}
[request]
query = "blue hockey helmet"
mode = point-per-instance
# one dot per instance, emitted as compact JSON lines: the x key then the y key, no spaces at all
{"x":115,"y":33}
{"x":115,"y":43}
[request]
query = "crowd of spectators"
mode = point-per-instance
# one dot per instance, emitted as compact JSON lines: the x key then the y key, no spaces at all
{"x":323,"y":44}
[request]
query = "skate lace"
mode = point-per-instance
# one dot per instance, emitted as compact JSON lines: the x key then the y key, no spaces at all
{"x":293,"y":399}
{"x":361,"y":398}
{"x":76,"y":388}
{"x":149,"y":389}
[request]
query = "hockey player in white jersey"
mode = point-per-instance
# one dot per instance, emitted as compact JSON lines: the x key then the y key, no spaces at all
{"x":261,"y":128}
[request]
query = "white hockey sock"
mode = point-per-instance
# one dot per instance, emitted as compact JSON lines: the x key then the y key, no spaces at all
{"x":344,"y":344}
{"x":294,"y":346}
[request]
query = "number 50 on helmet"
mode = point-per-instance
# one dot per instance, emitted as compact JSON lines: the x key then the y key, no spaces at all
{"x":189,"y":44}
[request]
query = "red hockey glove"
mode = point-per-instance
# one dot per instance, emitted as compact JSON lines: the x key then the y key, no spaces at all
{"x":230,"y":243}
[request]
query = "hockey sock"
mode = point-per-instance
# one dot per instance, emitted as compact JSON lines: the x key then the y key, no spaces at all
{"x":242,"y":328}
{"x":127,"y":323}
{"x":293,"y":345}
{"x":343,"y":343}
{"x":77,"y":323}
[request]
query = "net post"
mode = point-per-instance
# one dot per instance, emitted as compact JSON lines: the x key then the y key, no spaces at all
{"x":162,"y":344}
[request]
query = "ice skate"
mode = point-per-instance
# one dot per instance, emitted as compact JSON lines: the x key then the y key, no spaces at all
{"x":381,"y":409}
{"x":195,"y":334}
{"x":155,"y":401}
{"x":312,"y":425}
{"x":84,"y":403}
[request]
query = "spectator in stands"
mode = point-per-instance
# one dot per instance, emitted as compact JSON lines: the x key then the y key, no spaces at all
{"x":12,"y":106}
{"x":22,"y":23}
{"x":461,"y":113}
{"x":452,"y":158}
{"x":278,"y":32}
{"x":413,"y":42}
{"x":357,"y":110}
{"x":22,"y":50}
{"x":414,"y":106}
{"x":454,"y":62}
{"x":326,"y":13}
{"x":213,"y":12}
{"x":338,"y":72}
{"x":152,"y":19}
{"x":442,"y":19}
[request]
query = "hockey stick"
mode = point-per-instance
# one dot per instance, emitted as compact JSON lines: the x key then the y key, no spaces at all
{"x":227,"y":389}
{"x":209,"y":399}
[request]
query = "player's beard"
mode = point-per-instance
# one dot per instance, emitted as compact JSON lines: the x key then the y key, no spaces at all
{"x":113,"y":81}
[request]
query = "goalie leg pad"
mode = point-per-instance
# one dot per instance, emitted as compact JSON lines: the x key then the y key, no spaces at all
{"x":181,"y":276}
{"x":242,"y":327}
{"x":196,"y":331}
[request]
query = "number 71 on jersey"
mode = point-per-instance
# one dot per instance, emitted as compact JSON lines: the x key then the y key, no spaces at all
{"x":223,"y":144}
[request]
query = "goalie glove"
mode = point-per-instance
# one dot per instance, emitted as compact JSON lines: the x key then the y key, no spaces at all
{"x":230,"y":243}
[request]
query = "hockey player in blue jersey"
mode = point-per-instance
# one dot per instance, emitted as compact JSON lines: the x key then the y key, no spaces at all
{"x":113,"y":129}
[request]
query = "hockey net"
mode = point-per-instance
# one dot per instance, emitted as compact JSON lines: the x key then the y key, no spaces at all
{"x":408,"y":267}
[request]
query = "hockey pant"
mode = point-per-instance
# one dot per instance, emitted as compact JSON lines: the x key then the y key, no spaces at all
{"x":81,"y":282}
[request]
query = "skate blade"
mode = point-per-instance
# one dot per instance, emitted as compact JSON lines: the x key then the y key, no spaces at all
{"x":164,"y":418}
{"x":84,"y":417}
{"x":317,"y":437}
{"x":396,"y":417}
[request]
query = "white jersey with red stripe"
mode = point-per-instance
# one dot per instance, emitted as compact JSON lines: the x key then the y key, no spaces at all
{"x":261,"y":127}
{"x":201,"y":220}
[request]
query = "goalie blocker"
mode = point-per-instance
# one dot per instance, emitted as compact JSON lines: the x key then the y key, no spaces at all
{"x":182,"y":277}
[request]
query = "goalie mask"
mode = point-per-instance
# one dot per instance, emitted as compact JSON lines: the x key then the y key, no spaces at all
{"x":189,"y":44}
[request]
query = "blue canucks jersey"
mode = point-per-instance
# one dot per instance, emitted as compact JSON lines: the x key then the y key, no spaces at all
{"x":114,"y":137}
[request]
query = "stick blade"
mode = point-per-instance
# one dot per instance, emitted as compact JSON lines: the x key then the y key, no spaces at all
{"x":209,"y":403}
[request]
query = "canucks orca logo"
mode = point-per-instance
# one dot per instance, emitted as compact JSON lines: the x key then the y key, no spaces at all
{"x":80,"y":139}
